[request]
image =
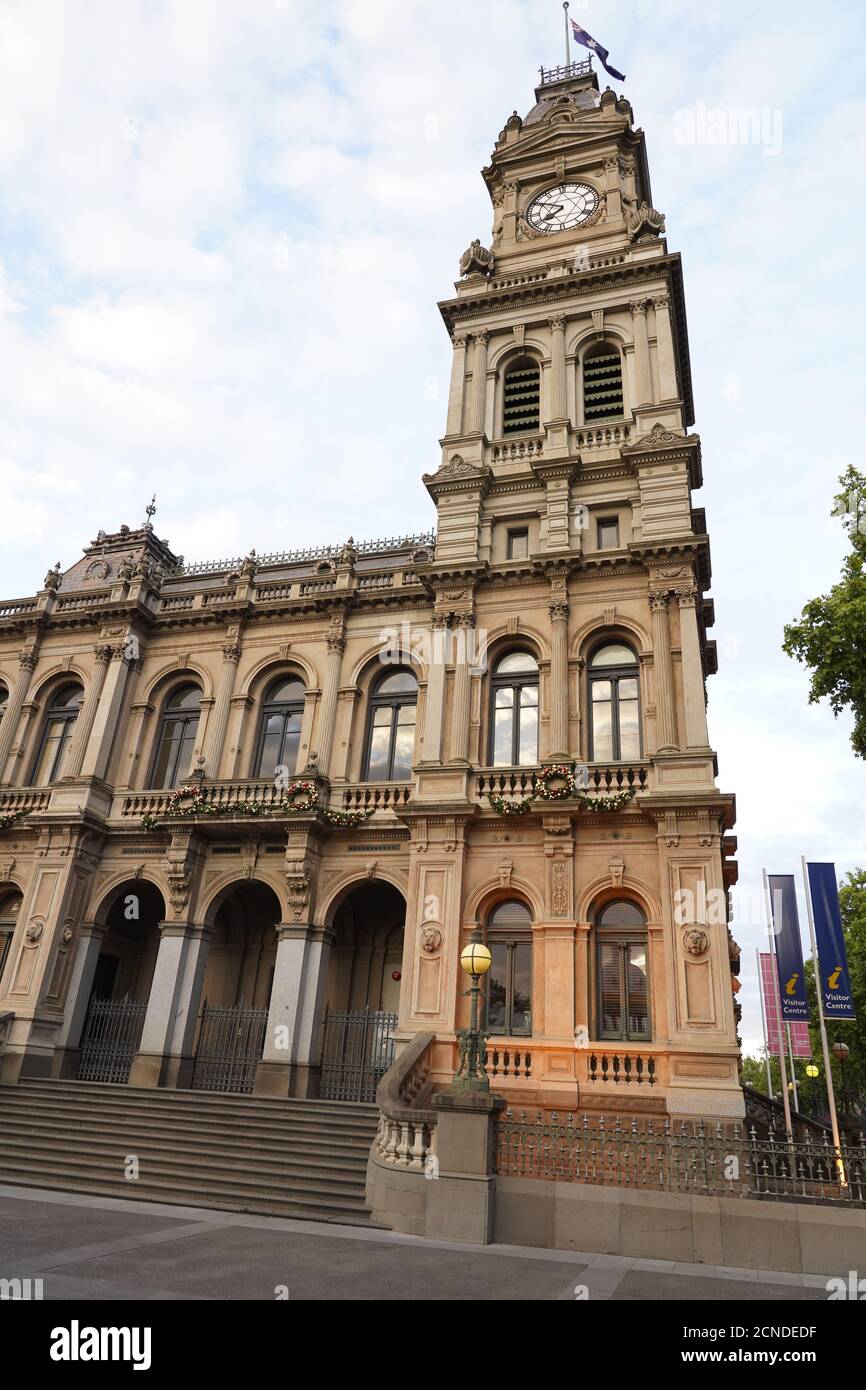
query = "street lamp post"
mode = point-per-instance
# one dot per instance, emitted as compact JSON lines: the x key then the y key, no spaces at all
{"x":471,"y":1075}
{"x":841,"y":1052}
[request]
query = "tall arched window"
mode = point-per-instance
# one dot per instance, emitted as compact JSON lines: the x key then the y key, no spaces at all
{"x":602,"y":384}
{"x":614,"y":704}
{"x":57,"y":734}
{"x":514,"y":711}
{"x":4,"y":700}
{"x":177,"y":735}
{"x":509,"y":980}
{"x":280,"y":734}
{"x":391,"y":728}
{"x":521,"y":397}
{"x":621,"y":971}
{"x":10,"y":905}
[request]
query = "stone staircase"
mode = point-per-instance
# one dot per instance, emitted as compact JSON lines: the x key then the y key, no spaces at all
{"x":297,"y":1158}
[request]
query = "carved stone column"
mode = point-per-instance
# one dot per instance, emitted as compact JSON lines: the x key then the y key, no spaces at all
{"x":479,"y":382}
{"x":97,"y":751}
{"x":336,"y":643}
{"x":434,"y":713}
{"x":558,"y":610}
{"x":17,"y":695}
{"x":457,"y":388}
{"x":643,"y":370}
{"x":165,"y":1052}
{"x":218,"y":723}
{"x":666,"y":729}
{"x":558,"y":403}
{"x":465,"y":625}
{"x":87,"y":713}
{"x":668,"y":387}
{"x":694,"y":696}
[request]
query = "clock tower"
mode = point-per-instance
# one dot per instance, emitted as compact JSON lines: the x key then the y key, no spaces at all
{"x":569,"y":534}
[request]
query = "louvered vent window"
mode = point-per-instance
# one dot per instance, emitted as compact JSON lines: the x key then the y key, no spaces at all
{"x":522,"y":399}
{"x":602,"y":385}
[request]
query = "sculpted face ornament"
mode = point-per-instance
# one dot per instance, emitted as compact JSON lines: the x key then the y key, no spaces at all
{"x":560,"y":208}
{"x":696,"y":941}
{"x":431,"y":939}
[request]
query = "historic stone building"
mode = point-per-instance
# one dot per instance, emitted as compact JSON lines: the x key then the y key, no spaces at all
{"x":292,"y":785}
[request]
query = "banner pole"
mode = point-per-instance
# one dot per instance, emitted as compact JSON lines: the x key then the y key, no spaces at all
{"x":794,"y":1082}
{"x":764,"y":1025}
{"x":567,"y":46}
{"x":783,"y":1071}
{"x":819,"y":991}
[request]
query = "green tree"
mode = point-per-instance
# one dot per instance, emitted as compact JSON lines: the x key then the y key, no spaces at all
{"x":830,"y":636}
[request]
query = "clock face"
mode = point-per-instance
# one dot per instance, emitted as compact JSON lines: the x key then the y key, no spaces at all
{"x":562,"y":207}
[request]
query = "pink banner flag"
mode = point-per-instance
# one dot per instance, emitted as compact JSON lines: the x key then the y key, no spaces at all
{"x":800,"y":1043}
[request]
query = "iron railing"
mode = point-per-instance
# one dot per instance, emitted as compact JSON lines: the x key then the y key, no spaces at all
{"x":231,"y":1039}
{"x":110,"y":1039}
{"x":380,"y":546}
{"x":565,"y":71}
{"x":357,"y":1050}
{"x":690,"y":1157}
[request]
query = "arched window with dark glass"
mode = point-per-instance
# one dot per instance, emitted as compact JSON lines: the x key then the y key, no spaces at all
{"x":614,"y":704}
{"x":177,"y":736}
{"x":280,"y":733}
{"x":521,"y":397}
{"x":622,"y":973}
{"x":391,"y":728}
{"x":514,"y":711}
{"x":509,"y":980}
{"x":57,"y":734}
{"x":602,"y":384}
{"x":4,"y":700}
{"x":10,"y":906}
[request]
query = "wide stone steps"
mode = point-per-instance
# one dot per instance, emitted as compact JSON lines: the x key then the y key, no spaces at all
{"x":194,"y":1148}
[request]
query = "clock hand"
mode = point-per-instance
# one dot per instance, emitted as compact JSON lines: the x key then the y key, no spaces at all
{"x":552,"y":212}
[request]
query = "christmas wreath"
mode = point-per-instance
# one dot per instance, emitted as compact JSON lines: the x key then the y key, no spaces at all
{"x":559,"y":783}
{"x":10,"y":817}
{"x":556,"y":783}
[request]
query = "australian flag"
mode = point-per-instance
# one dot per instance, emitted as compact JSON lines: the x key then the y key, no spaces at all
{"x":582,"y":37}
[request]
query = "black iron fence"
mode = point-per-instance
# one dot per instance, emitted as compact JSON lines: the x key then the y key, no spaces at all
{"x":357,"y":1050}
{"x":231,"y":1040}
{"x":687,"y":1157}
{"x":110,"y":1039}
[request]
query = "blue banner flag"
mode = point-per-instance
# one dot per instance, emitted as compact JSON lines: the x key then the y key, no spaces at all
{"x":587,"y":41}
{"x":832,"y":961}
{"x":789,"y":951}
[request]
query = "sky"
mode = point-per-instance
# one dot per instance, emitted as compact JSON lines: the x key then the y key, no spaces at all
{"x":224,"y":228}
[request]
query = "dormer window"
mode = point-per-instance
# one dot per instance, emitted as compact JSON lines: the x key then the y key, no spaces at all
{"x":521,"y":409}
{"x":602,"y":384}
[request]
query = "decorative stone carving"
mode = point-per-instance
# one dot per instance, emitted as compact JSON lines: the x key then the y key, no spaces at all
{"x":250,"y":565}
{"x":53,"y":579}
{"x":506,"y":868}
{"x":616,"y":868}
{"x":349,"y":553}
{"x":33,"y":934}
{"x":558,"y":609}
{"x":66,"y":935}
{"x":641,"y":220}
{"x":476,"y":260}
{"x":695,"y":941}
{"x":431,"y":939}
{"x":6,"y":870}
{"x":657,"y":436}
{"x":27,"y":659}
{"x":298,"y":885}
{"x":559,"y":889}
{"x":454,"y":466}
{"x":232,"y":652}
{"x":179,"y":879}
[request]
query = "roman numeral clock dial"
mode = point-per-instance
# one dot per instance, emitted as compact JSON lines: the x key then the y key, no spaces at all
{"x":561,"y":208}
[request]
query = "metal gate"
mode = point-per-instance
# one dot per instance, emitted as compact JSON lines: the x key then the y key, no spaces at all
{"x":231,"y":1040}
{"x":110,"y":1039}
{"x":357,"y":1050}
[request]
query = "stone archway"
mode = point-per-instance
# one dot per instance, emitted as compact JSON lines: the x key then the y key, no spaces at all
{"x":362,"y":993}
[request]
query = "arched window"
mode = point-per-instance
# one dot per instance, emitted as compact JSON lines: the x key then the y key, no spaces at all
{"x":57,"y":734}
{"x":621,"y":971}
{"x":521,"y":397}
{"x":602,"y":384}
{"x":514,"y":711}
{"x":280,"y":734}
{"x":4,"y":700}
{"x":10,"y":905}
{"x":177,"y":735}
{"x":614,"y":704}
{"x":391,"y":728}
{"x":509,"y":979}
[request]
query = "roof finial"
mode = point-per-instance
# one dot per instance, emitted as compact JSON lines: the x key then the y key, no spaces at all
{"x":151,"y":512}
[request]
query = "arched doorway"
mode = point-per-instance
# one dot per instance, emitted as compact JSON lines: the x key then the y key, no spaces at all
{"x":237,"y":988}
{"x":120,"y":983}
{"x":363,"y":991}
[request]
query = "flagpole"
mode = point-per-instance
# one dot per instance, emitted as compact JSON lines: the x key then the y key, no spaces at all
{"x":819,"y":991}
{"x":794,"y":1082}
{"x":782,"y":1068}
{"x":567,"y":45}
{"x":764,"y":1025}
